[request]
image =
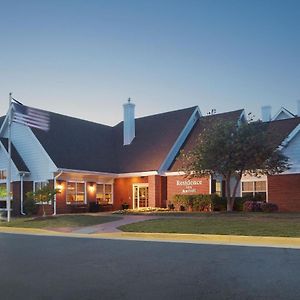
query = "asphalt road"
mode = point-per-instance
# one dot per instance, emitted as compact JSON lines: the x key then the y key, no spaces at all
{"x":34,"y":267}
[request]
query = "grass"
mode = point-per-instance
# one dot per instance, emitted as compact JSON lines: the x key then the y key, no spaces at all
{"x":250,"y":224}
{"x":59,"y":221}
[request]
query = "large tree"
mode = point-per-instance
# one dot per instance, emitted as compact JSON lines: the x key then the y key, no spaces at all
{"x":232,"y":149}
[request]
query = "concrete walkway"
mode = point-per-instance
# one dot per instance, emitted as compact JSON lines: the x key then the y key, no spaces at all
{"x":112,"y":226}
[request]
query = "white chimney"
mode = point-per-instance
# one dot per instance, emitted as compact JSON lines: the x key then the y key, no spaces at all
{"x":298,"y":108}
{"x":129,"y":123}
{"x":266,"y":113}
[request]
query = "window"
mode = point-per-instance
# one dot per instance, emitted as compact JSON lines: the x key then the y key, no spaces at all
{"x":39,"y":185}
{"x":75,"y":192}
{"x":104,"y":193}
{"x":3,"y":175}
{"x":255,"y":189}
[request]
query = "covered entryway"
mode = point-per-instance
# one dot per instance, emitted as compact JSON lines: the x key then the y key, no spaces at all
{"x":140,"y":195}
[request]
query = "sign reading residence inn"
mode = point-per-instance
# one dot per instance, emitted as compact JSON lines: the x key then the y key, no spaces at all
{"x":189,"y":186}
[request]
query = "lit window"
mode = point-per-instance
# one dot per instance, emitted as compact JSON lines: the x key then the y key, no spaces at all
{"x":104,"y":194}
{"x":75,"y":192}
{"x":255,"y":189}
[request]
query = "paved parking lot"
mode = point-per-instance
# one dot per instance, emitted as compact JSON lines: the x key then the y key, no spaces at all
{"x":37,"y":267}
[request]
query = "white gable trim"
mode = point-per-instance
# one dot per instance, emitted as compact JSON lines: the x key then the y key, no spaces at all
{"x":284,"y":111}
{"x":180,"y":140}
{"x":15,"y":171}
{"x":292,"y":134}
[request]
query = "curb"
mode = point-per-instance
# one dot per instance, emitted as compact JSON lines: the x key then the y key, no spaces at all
{"x":233,"y":240}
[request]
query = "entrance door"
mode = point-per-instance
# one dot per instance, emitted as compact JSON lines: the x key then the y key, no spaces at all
{"x":140,"y":195}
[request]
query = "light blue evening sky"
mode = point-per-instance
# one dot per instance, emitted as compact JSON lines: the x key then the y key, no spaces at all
{"x":85,"y":58}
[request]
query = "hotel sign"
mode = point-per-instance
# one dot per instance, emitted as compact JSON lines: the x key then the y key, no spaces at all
{"x":189,"y":186}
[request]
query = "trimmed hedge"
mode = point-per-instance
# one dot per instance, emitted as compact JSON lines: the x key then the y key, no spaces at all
{"x":200,"y":202}
{"x":204,"y":202}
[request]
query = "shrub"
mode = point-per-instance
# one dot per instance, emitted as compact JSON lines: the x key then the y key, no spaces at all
{"x":30,"y":207}
{"x":198,"y":202}
{"x":269,"y":207}
{"x":251,"y":205}
{"x":218,"y":203}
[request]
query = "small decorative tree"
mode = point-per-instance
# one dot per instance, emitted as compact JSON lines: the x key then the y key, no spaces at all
{"x":43,"y":196}
{"x":3,"y":192}
{"x":231,"y":150}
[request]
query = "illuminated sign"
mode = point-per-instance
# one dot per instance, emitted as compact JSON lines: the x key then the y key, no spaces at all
{"x":189,"y":185}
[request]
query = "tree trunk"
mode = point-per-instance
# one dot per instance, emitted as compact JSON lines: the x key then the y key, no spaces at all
{"x":44,"y":213}
{"x":228,"y":193}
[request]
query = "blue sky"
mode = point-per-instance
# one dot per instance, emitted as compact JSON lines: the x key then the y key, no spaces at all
{"x":85,"y":58}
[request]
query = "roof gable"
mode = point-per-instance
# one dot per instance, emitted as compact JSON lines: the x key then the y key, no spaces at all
{"x":16,"y":158}
{"x":191,"y":141}
{"x":283,"y":114}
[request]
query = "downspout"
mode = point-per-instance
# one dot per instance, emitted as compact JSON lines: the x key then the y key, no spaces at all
{"x":54,"y":201}
{"x":22,"y":191}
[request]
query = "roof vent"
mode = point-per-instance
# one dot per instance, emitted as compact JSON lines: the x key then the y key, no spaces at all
{"x":266,"y":113}
{"x":129,"y":123}
{"x":298,"y":108}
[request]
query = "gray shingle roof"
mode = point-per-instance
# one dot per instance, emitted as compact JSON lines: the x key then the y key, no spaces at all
{"x":82,"y":145}
{"x":16,"y":158}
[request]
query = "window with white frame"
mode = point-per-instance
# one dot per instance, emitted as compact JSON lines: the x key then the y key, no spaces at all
{"x":75,"y":192}
{"x":255,"y":189}
{"x":38,"y":185}
{"x":104,"y":193}
{"x":3,"y":175}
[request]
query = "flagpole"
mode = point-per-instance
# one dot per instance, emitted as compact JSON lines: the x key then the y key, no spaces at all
{"x":8,"y":198}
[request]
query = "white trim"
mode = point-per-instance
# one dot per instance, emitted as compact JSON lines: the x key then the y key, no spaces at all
{"x":285,"y":111}
{"x":75,"y":181}
{"x":138,"y":185}
{"x":136,"y":174}
{"x":86,"y":172}
{"x":5,"y":120}
{"x":7,"y":155}
{"x":292,"y":134}
{"x":180,"y":140}
{"x":179,"y":173}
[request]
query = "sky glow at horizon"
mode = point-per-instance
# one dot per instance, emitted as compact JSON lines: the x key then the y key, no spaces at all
{"x":85,"y":58}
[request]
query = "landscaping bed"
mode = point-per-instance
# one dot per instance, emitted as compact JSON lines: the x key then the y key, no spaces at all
{"x":58,"y":221}
{"x":249,"y":224}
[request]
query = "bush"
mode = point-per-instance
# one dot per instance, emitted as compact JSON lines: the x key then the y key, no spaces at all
{"x":200,"y":202}
{"x":30,"y":207}
{"x":251,"y":205}
{"x":269,"y":207}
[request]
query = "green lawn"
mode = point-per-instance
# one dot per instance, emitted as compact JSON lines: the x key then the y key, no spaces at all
{"x":59,"y":221}
{"x":259,"y":224}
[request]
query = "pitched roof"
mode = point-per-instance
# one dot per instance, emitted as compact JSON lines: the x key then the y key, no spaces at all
{"x":16,"y":158}
{"x":198,"y":128}
{"x":82,"y":145}
{"x":282,"y":128}
{"x":155,"y":136}
{"x":2,"y":120}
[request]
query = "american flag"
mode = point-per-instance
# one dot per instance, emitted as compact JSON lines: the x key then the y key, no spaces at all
{"x":31,"y":117}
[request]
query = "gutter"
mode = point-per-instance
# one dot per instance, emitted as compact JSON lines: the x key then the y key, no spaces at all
{"x":54,"y":200}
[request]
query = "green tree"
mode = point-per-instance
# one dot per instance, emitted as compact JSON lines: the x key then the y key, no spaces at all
{"x":231,"y":150}
{"x":3,"y":192}
{"x":43,"y":196}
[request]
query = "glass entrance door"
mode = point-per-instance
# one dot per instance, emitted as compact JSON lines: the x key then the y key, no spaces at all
{"x":140,"y":196}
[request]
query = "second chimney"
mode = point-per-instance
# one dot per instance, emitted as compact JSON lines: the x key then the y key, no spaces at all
{"x":129,"y":123}
{"x":266,"y":113}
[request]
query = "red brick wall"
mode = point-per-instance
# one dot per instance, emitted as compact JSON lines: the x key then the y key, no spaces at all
{"x":284,"y":190}
{"x":16,"y":190}
{"x":91,"y":189}
{"x":173,"y":188}
{"x":157,"y":191}
{"x":123,"y":190}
